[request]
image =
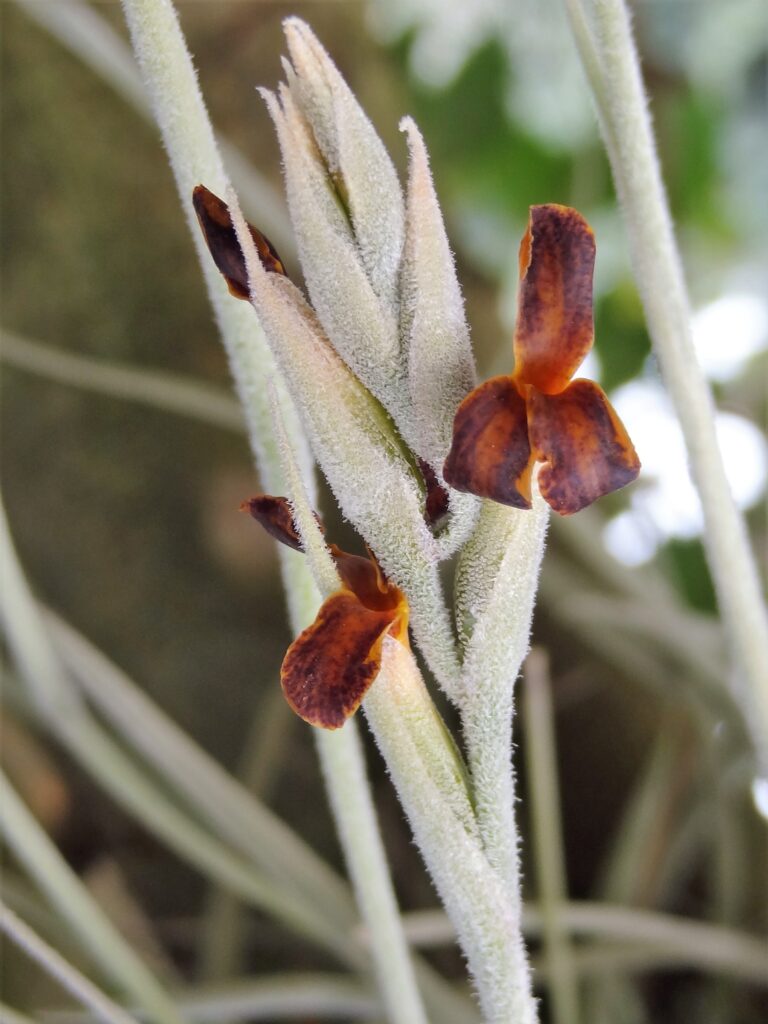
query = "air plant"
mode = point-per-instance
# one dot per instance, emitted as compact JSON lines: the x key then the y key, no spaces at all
{"x":370,"y":376}
{"x":377,"y":366}
{"x":373,"y":370}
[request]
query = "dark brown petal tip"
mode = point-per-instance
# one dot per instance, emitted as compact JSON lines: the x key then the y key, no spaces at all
{"x":365,"y":578}
{"x":437,"y":496}
{"x":554,"y":329}
{"x":329,"y":668}
{"x":490,"y":455}
{"x":583,"y":443}
{"x":216,"y":223}
{"x":275,"y":515}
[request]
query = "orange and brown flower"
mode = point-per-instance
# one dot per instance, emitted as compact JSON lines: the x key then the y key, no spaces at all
{"x":538,"y":414}
{"x":329,"y":668}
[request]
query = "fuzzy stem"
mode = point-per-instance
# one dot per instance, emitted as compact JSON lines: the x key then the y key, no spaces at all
{"x":486,"y":923}
{"x":440,"y":761}
{"x":180,"y":112}
{"x":496,"y":587}
{"x":611,"y":63}
{"x":68,"y":976}
{"x":649,"y":938}
{"x":541,"y":758}
{"x":172,"y":85}
{"x":341,"y":757}
{"x":498,"y":620}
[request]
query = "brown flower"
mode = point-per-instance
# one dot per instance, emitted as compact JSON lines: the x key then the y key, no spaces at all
{"x":330,"y":666}
{"x":537,"y":414}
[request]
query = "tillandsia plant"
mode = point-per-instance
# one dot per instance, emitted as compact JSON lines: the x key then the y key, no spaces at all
{"x":379,"y":366}
{"x":373,"y":375}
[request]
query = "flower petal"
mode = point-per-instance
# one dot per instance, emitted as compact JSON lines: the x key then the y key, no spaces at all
{"x":583,"y":443}
{"x":554,"y":329}
{"x":276,"y":517}
{"x":490,"y":455}
{"x":365,"y":578}
{"x":216,"y":225}
{"x":330,"y":666}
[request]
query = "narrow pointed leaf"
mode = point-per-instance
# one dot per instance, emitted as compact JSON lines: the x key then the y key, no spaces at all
{"x":355,"y":156}
{"x":436,"y":337}
{"x":362,"y":329}
{"x":496,"y":588}
{"x":354,"y":440}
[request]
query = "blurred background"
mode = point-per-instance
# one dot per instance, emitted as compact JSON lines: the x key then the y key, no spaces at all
{"x":124,"y":464}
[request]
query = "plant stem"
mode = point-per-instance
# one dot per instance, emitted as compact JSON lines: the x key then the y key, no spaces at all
{"x":541,"y":757}
{"x":478,"y":903}
{"x":343,"y":765}
{"x":506,"y":548}
{"x":294,"y":995}
{"x":104,"y":1008}
{"x":707,"y":946}
{"x":175,"y":96}
{"x":652,"y":937}
{"x":611,"y":63}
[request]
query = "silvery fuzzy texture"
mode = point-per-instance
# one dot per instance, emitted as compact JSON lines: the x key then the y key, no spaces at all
{"x":189,"y":140}
{"x":359,"y":451}
{"x":383,"y":284}
{"x":314,"y":547}
{"x":496,"y":586}
{"x":353,"y":151}
{"x":373,"y":480}
{"x":363,"y":330}
{"x":441,"y":367}
{"x":483,"y":910}
{"x":437,"y":749}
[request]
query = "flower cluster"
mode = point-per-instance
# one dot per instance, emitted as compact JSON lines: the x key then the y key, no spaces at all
{"x":382,"y":373}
